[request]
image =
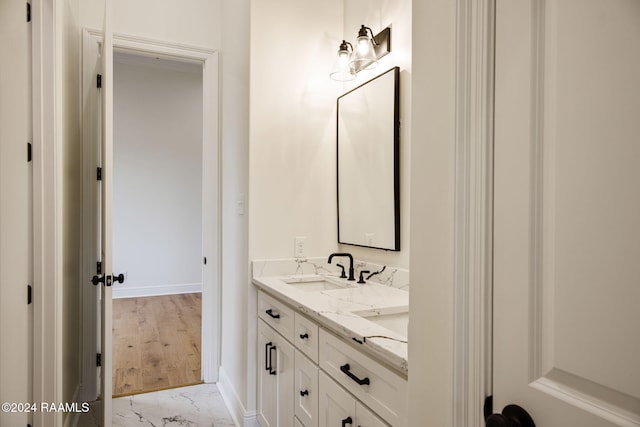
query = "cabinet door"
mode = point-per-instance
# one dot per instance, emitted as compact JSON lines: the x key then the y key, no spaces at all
{"x":306,"y":390}
{"x":366,"y":418}
{"x":275,"y":379}
{"x":267,"y":385}
{"x":284,"y":368}
{"x":337,"y":408}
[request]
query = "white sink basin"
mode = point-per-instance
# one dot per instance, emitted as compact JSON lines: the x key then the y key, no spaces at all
{"x":397,"y":322}
{"x":315,"y":283}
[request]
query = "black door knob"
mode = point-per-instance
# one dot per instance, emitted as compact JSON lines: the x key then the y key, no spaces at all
{"x":97,"y":280}
{"x":512,"y":416}
{"x":119,"y":278}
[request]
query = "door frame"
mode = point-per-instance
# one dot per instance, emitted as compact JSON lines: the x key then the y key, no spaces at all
{"x":473,"y":210}
{"x":211,"y":289}
{"x":47,"y":216}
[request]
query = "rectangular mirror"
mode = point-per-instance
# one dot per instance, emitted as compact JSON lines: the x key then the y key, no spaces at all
{"x":368,"y":140}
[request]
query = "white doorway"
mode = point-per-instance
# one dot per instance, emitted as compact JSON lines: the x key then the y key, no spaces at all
{"x":157,"y":223}
{"x":201,"y":270}
{"x":157,"y":161}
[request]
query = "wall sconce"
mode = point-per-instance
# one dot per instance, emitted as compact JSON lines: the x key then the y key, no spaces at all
{"x":369,"y":49}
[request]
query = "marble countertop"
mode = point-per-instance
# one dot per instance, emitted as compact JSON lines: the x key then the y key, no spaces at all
{"x":335,"y":309}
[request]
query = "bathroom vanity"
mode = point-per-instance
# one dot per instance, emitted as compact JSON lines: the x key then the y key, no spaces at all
{"x":331,"y":352}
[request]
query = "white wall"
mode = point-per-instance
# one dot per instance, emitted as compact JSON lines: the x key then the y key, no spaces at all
{"x":238,"y":330}
{"x":432,"y":215}
{"x":379,"y":14}
{"x":192,"y":22}
{"x":293,"y":124}
{"x":157,"y":196}
{"x":292,"y":132}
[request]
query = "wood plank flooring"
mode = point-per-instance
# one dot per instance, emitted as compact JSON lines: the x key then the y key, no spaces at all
{"x":156,"y":343}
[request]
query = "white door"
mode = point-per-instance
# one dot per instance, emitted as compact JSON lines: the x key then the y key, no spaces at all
{"x":16,"y":314}
{"x":106,"y":217}
{"x":567,"y":211}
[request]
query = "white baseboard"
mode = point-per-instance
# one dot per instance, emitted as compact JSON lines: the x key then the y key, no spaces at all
{"x":154,"y":291}
{"x":240,"y":415}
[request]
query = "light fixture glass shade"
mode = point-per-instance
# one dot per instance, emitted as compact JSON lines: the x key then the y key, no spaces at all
{"x":343,"y":70}
{"x":364,"y":54}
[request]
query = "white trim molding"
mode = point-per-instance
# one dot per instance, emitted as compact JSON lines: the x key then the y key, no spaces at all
{"x":473,"y":210}
{"x":154,"y":291}
{"x":241,"y":417}
{"x":47,"y":215}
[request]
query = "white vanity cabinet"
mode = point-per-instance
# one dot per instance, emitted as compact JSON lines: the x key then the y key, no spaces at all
{"x":309,"y":377}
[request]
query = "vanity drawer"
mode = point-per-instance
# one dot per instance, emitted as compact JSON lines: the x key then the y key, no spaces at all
{"x":276,"y":314}
{"x":306,"y":336}
{"x":376,"y":386}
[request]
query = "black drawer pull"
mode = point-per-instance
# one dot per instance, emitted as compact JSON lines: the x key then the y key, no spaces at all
{"x":304,"y":336}
{"x":270,"y":313}
{"x":345,"y":369}
{"x":346,"y":421}
{"x":304,"y":393}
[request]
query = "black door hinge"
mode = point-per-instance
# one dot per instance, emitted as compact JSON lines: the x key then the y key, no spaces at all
{"x":28,"y":12}
{"x":205,"y":260}
{"x":98,"y":359}
{"x":29,"y":294}
{"x":99,"y":174}
{"x":99,"y":81}
{"x":99,"y":268}
{"x":29,"y":152}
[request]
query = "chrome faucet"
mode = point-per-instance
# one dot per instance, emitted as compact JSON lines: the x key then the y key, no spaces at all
{"x":351,"y":271}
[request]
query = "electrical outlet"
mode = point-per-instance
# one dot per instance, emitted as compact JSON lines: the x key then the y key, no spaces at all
{"x":299,"y":246}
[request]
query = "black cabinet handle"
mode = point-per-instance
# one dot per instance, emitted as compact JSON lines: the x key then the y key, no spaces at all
{"x":346,"y":421}
{"x":267,"y":366}
{"x":270,"y":313}
{"x":304,"y":393}
{"x":304,"y":336}
{"x":346,"y":369}
{"x":271,"y":370}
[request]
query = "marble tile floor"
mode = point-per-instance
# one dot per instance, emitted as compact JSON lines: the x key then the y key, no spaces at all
{"x":194,"y":406}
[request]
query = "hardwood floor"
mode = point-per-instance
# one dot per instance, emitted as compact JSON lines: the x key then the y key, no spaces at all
{"x":156,"y":343}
